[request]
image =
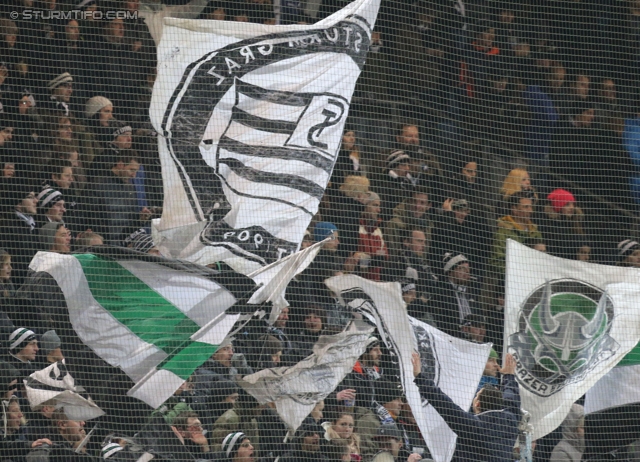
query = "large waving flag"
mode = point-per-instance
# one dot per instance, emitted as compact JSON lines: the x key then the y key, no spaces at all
{"x":250,"y":120}
{"x":155,"y":319}
{"x":567,"y":323}
{"x":454,"y":364}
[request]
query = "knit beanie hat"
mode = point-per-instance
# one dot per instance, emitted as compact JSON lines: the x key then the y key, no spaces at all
{"x":139,"y":240}
{"x":371,"y":196}
{"x":47,"y":198}
{"x":323,"y":230}
{"x":231,"y":443}
{"x":626,"y":248}
{"x":48,"y":233}
{"x":396,"y":158}
{"x":93,"y":105}
{"x":20,"y":337}
{"x":49,"y":341}
{"x":110,"y":449}
{"x":493,"y":354}
{"x":450,"y":261}
{"x":65,"y":77}
{"x":559,"y":198}
{"x":119,"y":128}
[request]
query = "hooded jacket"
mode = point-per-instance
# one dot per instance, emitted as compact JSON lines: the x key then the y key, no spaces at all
{"x":571,"y":447}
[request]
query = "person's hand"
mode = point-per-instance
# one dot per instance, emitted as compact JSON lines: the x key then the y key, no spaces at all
{"x":136,"y":45}
{"x":346,"y":395}
{"x":446,"y":205}
{"x":414,"y":457}
{"x":40,"y":442}
{"x":509,"y":366}
{"x":417,"y":365}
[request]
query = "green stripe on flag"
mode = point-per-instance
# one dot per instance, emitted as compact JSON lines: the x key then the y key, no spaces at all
{"x":146,"y":313}
{"x":632,"y":358}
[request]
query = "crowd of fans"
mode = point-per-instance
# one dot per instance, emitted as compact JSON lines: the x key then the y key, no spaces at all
{"x":553,"y":82}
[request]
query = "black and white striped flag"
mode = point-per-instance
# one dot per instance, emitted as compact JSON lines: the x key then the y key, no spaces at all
{"x":251,"y":124}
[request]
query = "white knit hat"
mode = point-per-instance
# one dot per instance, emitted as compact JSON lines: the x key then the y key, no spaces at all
{"x":94,"y":105}
{"x":59,"y":80}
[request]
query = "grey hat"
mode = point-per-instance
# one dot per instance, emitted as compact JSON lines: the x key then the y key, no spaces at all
{"x":460,"y":204}
{"x":48,"y":233}
{"x":389,"y":431}
{"x":49,"y":341}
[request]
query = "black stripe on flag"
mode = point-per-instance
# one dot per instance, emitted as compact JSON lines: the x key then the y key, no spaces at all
{"x":273,"y":96}
{"x":302,"y":155}
{"x":279,"y":179}
{"x":259,"y":123}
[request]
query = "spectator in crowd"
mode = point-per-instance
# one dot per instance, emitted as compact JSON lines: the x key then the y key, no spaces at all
{"x":347,"y":205}
{"x":7,"y":289}
{"x":88,"y":239}
{"x":490,"y":431}
{"x":219,"y":366}
{"x":237,"y":447}
{"x":219,"y":397}
{"x":371,"y":241}
{"x":51,"y":206}
{"x":414,"y":212}
{"x":491,"y":370}
{"x":14,"y":444}
{"x":389,"y":439}
{"x":517,"y":180}
{"x":607,"y":106}
{"x":306,"y":443}
{"x":341,"y":428}
{"x":572,"y":445}
{"x":140,"y":241}
{"x":350,"y":161}
{"x":629,"y":253}
{"x":70,"y":434}
{"x":50,"y":346}
{"x":474,"y":328}
{"x":562,"y":224}
{"x":306,"y":333}
{"x":21,"y":350}
{"x":455,"y":297}
{"x":326,"y":264}
{"x":242,"y":416}
{"x":55,"y":237}
{"x":59,"y":102}
{"x":397,"y":182}
{"x":188,"y":428}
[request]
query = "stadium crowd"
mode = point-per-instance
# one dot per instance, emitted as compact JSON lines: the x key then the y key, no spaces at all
{"x":554,"y":83}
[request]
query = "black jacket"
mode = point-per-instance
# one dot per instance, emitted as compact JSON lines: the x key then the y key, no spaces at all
{"x":487,"y":437}
{"x":444,"y":305}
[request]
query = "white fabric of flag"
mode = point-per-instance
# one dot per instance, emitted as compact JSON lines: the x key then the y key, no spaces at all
{"x":567,"y":323}
{"x":250,"y":120}
{"x":55,"y":383}
{"x":297,"y":389}
{"x":156,"y":319}
{"x":456,"y":365}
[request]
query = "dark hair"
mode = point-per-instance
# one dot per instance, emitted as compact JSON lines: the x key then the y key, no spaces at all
{"x":271,"y":345}
{"x":407,"y":233}
{"x":491,"y":399}
{"x":56,"y":166}
{"x":407,"y":123}
{"x":335,"y":449}
{"x":514,"y":199}
{"x":181,"y":421}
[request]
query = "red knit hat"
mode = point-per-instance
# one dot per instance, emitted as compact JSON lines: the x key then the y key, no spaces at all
{"x":559,"y":198}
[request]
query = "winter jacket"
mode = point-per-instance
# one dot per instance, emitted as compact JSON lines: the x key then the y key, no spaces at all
{"x":544,"y":118}
{"x":488,"y":436}
{"x":402,"y":220}
{"x":446,"y":309}
{"x":371,"y":241}
{"x":563,"y":236}
{"x":572,"y":445}
{"x":509,"y":229}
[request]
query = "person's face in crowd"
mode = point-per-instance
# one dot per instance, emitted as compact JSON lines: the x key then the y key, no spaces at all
{"x":194,"y":432}
{"x":10,"y":40}
{"x":507,"y":16}
{"x":105,"y":115}
{"x":344,"y":426}
{"x":4,"y":73}
{"x":28,"y":205}
{"x":372,"y":210}
{"x":391,"y":445}
{"x":14,"y":417}
{"x":540,"y":247}
{"x":5,"y":269}
{"x":582,"y":86}
{"x":115,"y":31}
{"x":460,"y":274}
{"x":313,"y":323}
{"x":72,"y":31}
{"x":568,"y":209}
{"x":6,"y":134}
{"x":132,"y":5}
{"x":24,"y":105}
{"x":9,"y":170}
{"x":475,"y":333}
{"x":224,"y":355}
{"x":276,"y":358}
{"x":372,"y":357}
{"x":410,"y":136}
{"x":584,"y":253}
{"x":470,"y":172}
{"x":63,"y":179}
{"x":63,"y":92}
{"x":333,"y":244}
{"x":232,"y":398}
{"x":525,"y":182}
{"x":281,"y":322}
{"x":487,"y":37}
{"x":55,"y":355}
{"x":316,"y":413}
{"x":585,"y":118}
{"x":311,"y":442}
{"x":394,"y":406}
{"x":62,"y":241}
{"x":127,"y":171}
{"x":557,"y":77}
{"x":608,"y":90}
{"x":491,"y":368}
{"x":461,"y":215}
{"x":417,"y":243}
{"x":419,"y":205}
{"x":522,"y":50}
{"x":56,"y":211}
{"x":72,"y":430}
{"x":523,"y":210}
{"x":633,"y":259}
{"x":29,"y":352}
{"x":219,"y":14}
{"x":123,"y":141}
{"x":74,"y":159}
{"x":349,"y":140}
{"x":65,"y":130}
{"x":245,"y":452}
{"x":409,"y":296}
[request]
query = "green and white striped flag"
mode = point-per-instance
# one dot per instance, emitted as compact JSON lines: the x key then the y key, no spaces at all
{"x":158,"y":320}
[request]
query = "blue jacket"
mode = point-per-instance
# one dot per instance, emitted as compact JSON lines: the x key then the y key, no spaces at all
{"x":544,"y":118}
{"x":486,"y":437}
